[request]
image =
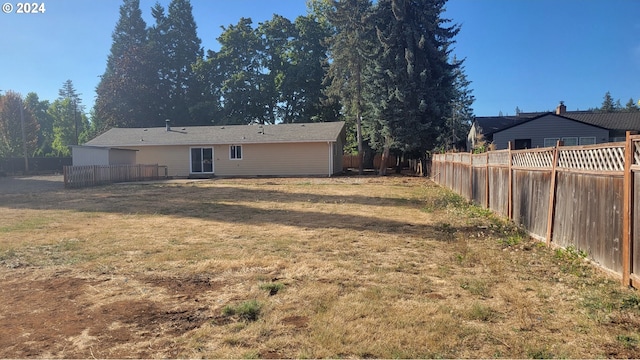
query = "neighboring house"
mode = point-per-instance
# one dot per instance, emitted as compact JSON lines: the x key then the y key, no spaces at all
{"x":231,"y":150}
{"x":483,"y":128}
{"x":535,"y":130}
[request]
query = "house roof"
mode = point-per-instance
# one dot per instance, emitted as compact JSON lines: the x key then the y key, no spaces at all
{"x":215,"y":135}
{"x":492,"y":124}
{"x":610,"y":121}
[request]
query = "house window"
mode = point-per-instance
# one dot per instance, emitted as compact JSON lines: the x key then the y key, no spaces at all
{"x":587,"y":140}
{"x":520,"y":144}
{"x":570,"y":141}
{"x":235,"y":152}
{"x":202,"y":160}
{"x":618,"y":139}
{"x":550,"y":142}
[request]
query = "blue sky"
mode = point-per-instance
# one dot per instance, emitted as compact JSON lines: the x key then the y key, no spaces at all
{"x":525,"y":53}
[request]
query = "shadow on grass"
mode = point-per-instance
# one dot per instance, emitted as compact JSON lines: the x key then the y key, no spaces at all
{"x":228,"y":203}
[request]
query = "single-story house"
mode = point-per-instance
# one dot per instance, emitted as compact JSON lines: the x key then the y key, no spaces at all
{"x":535,"y":130}
{"x":313,"y":149}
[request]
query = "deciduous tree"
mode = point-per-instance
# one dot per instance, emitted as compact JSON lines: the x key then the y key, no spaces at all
{"x":45,"y":121}
{"x":18,"y":127}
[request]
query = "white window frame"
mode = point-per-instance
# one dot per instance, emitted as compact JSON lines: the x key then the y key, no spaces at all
{"x":567,"y":141}
{"x":233,"y":152}
{"x":550,"y":142}
{"x":587,"y":140}
{"x":202,"y":160}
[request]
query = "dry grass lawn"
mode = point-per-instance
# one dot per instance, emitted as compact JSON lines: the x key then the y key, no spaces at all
{"x":362,"y":267}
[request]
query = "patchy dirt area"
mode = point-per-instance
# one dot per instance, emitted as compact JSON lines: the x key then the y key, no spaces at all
{"x":62,"y":315}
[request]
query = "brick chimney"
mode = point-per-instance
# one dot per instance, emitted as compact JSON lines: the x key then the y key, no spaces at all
{"x":561,"y":109}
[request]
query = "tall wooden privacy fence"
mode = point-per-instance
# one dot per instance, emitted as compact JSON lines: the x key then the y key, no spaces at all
{"x":353,"y":161}
{"x":93,"y":175}
{"x":586,"y":197}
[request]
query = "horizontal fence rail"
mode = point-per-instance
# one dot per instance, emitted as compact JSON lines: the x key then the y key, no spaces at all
{"x":585,"y":197}
{"x":94,"y":175}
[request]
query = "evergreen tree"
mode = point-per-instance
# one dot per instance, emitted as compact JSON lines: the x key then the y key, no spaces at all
{"x":158,"y":44}
{"x":125,"y":92}
{"x":458,"y":123}
{"x":410,"y":87}
{"x":182,"y":50}
{"x":631,"y":106}
{"x":71,"y":122}
{"x":608,"y":104}
{"x":18,"y":127}
{"x":350,"y":48}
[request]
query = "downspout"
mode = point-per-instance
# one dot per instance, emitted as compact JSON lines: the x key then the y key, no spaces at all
{"x":330,"y":158}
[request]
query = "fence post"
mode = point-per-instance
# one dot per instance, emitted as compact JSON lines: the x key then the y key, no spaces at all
{"x":510,"y":190}
{"x":627,"y":222}
{"x":470,"y":177}
{"x":552,"y":192}
{"x":486,"y":183}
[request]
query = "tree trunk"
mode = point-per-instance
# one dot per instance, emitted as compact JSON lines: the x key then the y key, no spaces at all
{"x":359,"y":117}
{"x":399,"y":161}
{"x":383,"y":161}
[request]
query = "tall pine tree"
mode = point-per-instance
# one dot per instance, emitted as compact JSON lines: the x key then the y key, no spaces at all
{"x":410,"y":87}
{"x":183,"y":50}
{"x":126,"y":89}
{"x":351,"y":48}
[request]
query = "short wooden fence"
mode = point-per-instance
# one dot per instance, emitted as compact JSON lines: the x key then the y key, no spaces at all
{"x":586,"y":197}
{"x":93,"y":175}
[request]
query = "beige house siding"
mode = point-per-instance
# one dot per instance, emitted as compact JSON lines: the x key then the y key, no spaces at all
{"x":279,"y":159}
{"x":121,"y":157}
{"x":176,"y":158}
{"x":274,"y":159}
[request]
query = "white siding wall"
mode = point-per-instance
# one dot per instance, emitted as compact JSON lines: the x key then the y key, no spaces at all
{"x":84,"y":156}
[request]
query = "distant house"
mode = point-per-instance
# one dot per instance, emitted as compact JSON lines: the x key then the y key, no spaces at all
{"x":534,"y":130}
{"x":230,"y":150}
